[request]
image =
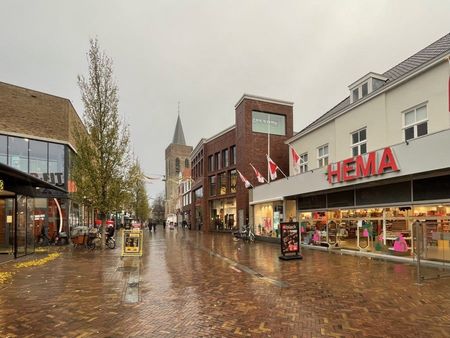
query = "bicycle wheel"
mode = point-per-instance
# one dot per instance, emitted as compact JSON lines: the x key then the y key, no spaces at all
{"x":111,"y":243}
{"x":90,"y":244}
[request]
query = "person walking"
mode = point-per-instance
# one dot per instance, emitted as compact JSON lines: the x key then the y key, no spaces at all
{"x":45,"y":238}
{"x":149,"y":225}
{"x":154,"y":226}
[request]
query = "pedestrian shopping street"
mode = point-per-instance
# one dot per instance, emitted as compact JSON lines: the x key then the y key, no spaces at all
{"x":192,"y":284}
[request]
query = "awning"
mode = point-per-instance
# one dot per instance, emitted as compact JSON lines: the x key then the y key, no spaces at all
{"x":275,"y":199}
{"x":22,"y":183}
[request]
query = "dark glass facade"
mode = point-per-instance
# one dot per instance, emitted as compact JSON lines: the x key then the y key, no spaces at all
{"x":25,"y":218}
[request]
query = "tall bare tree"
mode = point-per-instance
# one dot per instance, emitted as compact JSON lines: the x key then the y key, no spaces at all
{"x":101,"y":166}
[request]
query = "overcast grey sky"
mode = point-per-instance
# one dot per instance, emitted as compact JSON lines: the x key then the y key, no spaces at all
{"x":206,"y":54}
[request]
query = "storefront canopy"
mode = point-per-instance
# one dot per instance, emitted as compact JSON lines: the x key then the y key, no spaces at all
{"x":16,"y":181}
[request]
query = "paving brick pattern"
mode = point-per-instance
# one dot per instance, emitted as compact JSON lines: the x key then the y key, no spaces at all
{"x":202,"y":285}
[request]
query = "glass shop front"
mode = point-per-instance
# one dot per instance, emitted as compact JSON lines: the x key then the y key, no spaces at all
{"x":223,"y":214}
{"x":267,"y":217}
{"x":383,"y":230}
{"x":334,"y":219}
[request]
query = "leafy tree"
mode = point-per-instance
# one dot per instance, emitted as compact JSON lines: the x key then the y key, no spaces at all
{"x":137,"y":192}
{"x":101,"y":166}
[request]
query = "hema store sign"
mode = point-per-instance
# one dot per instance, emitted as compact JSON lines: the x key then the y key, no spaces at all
{"x":367,"y":165}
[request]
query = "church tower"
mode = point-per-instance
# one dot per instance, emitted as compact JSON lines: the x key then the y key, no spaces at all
{"x":177,"y":158}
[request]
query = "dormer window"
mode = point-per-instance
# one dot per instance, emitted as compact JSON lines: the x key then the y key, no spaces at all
{"x":355,"y":94}
{"x":365,"y":86}
{"x":365,"y":89}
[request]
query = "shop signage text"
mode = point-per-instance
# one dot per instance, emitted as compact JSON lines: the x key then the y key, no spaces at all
{"x":52,"y":178}
{"x":362,"y":166}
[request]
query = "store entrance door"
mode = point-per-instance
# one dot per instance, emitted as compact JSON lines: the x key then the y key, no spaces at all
{"x":6,"y":228}
{"x":431,"y":246}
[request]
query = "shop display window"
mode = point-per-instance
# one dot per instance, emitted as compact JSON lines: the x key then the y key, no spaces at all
{"x":223,"y":214}
{"x":263,"y":218}
{"x":313,"y":227}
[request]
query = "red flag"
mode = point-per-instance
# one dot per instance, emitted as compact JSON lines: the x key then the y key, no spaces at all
{"x":272,"y":168}
{"x":295,"y":160}
{"x":259,"y":177}
{"x":244,"y":180}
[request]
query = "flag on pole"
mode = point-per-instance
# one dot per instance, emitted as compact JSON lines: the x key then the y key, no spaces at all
{"x":295,"y":160}
{"x":272,"y":168}
{"x":259,"y":177}
{"x":244,"y":180}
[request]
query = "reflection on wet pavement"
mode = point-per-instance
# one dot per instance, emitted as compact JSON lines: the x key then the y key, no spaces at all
{"x":189,"y":284}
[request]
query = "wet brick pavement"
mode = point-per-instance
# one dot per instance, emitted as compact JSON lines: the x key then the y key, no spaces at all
{"x":189,"y":284}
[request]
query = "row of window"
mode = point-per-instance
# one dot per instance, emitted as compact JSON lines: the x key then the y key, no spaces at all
{"x":415,"y":124}
{"x":223,"y":183}
{"x":186,"y":199}
{"x":38,"y":158}
{"x":178,"y":164}
{"x":222,"y":159}
{"x":197,"y":165}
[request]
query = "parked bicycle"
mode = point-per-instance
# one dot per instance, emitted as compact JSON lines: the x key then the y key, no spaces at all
{"x":94,"y":241}
{"x":246,"y":234}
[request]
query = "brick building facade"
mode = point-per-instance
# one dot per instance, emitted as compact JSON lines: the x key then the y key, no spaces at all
{"x":219,"y":199}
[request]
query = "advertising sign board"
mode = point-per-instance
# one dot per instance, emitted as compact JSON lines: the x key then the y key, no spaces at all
{"x":290,"y":240}
{"x":132,"y":241}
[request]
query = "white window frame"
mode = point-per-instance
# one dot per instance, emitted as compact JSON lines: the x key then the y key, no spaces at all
{"x":322,"y":161}
{"x":359,"y":90}
{"x":415,"y":123}
{"x":303,"y":163}
{"x":359,"y":143}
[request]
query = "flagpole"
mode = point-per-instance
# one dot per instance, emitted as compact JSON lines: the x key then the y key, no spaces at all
{"x":283,"y":173}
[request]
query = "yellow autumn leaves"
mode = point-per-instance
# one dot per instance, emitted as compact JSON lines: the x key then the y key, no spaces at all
{"x":5,"y":277}
{"x":37,"y":262}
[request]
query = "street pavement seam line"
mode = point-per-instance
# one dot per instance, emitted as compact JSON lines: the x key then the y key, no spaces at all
{"x":246,"y":269}
{"x":132,"y":288}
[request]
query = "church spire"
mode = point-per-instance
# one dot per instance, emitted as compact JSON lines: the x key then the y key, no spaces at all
{"x":178,"y":135}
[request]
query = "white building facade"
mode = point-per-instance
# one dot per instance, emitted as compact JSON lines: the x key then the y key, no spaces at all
{"x":373,"y":165}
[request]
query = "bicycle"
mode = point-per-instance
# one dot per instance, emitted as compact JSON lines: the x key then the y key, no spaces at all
{"x":246,"y":234}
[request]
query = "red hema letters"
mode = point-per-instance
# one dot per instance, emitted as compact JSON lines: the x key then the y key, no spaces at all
{"x":362,"y":166}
